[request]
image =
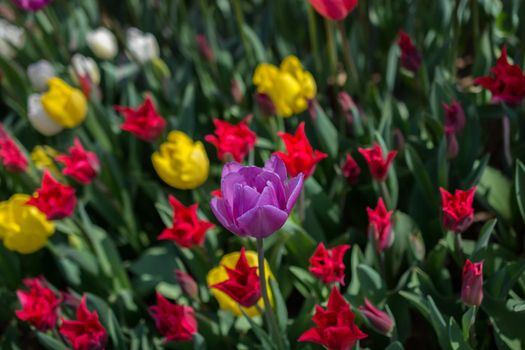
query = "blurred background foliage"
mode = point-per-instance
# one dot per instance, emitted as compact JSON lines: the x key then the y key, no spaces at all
{"x":109,"y":248}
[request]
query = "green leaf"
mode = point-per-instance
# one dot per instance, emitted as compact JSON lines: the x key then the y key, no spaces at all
{"x":496,"y":189}
{"x":484,"y":237}
{"x":326,"y":133}
{"x":519,"y":187}
{"x":395,"y":346}
{"x":260,"y":333}
{"x":371,"y":283}
{"x":49,"y":342}
{"x":421,"y":176}
{"x":280,"y":306}
{"x":467,"y":321}
{"x":457,"y":342}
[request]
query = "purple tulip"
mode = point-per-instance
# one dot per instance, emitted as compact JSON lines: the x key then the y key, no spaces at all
{"x":255,"y":201}
{"x":31,"y":5}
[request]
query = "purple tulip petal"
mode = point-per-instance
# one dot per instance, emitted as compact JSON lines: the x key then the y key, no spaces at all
{"x":268,"y":197}
{"x":228,"y":184}
{"x":265,"y":179}
{"x":231,"y":167}
{"x":249,"y":174}
{"x":222,"y":212}
{"x":276,"y":165}
{"x":261,"y":222}
{"x":293,"y":190}
{"x":245,"y":199}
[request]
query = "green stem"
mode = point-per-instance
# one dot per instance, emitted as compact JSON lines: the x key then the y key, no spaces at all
{"x":472,"y":329}
{"x":302,"y":206}
{"x":347,"y":52}
{"x":386,"y":194}
{"x":268,"y":311}
{"x":457,"y":249}
{"x":332,"y":50}
{"x":239,"y":17}
{"x":312,"y":28}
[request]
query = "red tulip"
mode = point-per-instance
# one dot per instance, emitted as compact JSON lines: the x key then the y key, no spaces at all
{"x":380,"y":226}
{"x":144,"y":121}
{"x":55,"y":200}
{"x":242,"y":284}
{"x":11,"y":156}
{"x":301,"y":157}
{"x":410,"y":56}
{"x":327,"y":264}
{"x":380,"y":320}
{"x":80,"y":164}
{"x":86,"y":332}
{"x":351,"y":170}
{"x":236,"y":140}
{"x":336,"y":328}
{"x":458,"y":213}
{"x":39,"y":304}
{"x":472,"y":283}
{"x":376,"y":163}
{"x":174,"y":322}
{"x":507,"y":83}
{"x":454,"y":117}
{"x":335,"y":10}
{"x":187,"y":230}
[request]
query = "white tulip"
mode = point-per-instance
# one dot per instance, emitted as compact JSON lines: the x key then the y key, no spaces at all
{"x":12,"y":38}
{"x":39,"y":73}
{"x":143,"y":46}
{"x":38,"y":117}
{"x":84,"y":66}
{"x":103,"y":43}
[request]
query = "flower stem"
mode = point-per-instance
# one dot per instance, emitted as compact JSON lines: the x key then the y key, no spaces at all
{"x":332,"y":51}
{"x":268,"y":311}
{"x":237,"y":9}
{"x":386,"y":194}
{"x":506,"y":140}
{"x":312,"y":28}
{"x":457,"y":249}
{"x":347,"y":52}
{"x":302,"y":206}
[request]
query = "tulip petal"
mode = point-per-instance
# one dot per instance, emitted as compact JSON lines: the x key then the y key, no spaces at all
{"x":276,"y":165}
{"x":223,"y":213}
{"x":293,"y":189}
{"x":262,"y":221}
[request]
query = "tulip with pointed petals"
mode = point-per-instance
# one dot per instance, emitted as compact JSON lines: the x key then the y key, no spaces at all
{"x":81,"y":165}
{"x":472,"y":283}
{"x":380,"y":226}
{"x":458,"y":213}
{"x":39,"y":305}
{"x":235,"y":140}
{"x":334,"y":10}
{"x":377,"y":164}
{"x":328,"y":265}
{"x":380,"y":320}
{"x":55,"y":200}
{"x":144,"y":122}
{"x":173,"y":321}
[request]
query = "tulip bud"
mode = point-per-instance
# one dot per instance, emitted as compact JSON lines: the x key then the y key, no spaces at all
{"x":204,"y":48}
{"x":187,"y":284}
{"x":236,"y":91}
{"x":380,"y":320}
{"x":351,"y":170}
{"x":142,"y":46}
{"x":472,"y":283}
{"x":11,"y":39}
{"x":452,"y":146}
{"x":265,"y":104}
{"x":39,"y":73}
{"x":39,"y":118}
{"x":82,"y":66}
{"x":103,"y":43}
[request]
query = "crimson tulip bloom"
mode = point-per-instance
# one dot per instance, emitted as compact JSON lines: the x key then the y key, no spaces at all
{"x":80,"y":164}
{"x":410,"y":56}
{"x":236,"y":140}
{"x":173,"y":321}
{"x":454,"y":117}
{"x":377,"y":164}
{"x":242,"y":284}
{"x":301,"y":157}
{"x":327,"y":264}
{"x":351,"y":170}
{"x":472,"y":283}
{"x":39,"y":305}
{"x":380,"y":226}
{"x":458,"y":213}
{"x":86,"y":332}
{"x":55,"y":200}
{"x":336,"y":328}
{"x":11,"y":156}
{"x":507,"y":83}
{"x":380,"y":320}
{"x":334,"y":10}
{"x":187,"y":230}
{"x":143,"y":121}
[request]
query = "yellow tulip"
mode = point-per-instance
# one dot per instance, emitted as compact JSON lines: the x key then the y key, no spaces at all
{"x":64,"y":104}
{"x":23,"y":228}
{"x":43,"y":157}
{"x":290,"y":87}
{"x":219,"y":274}
{"x":180,"y":162}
